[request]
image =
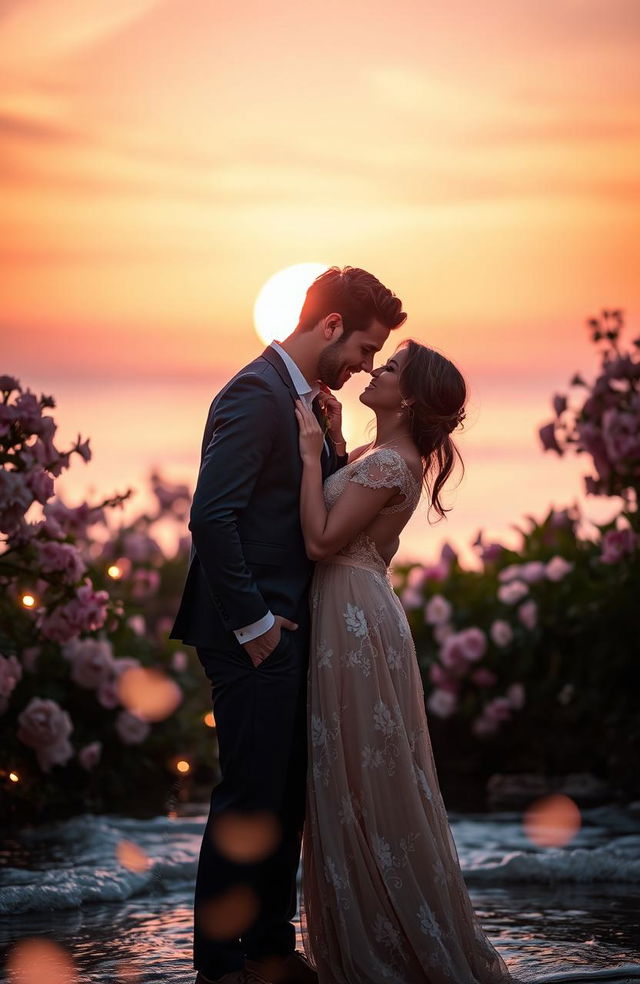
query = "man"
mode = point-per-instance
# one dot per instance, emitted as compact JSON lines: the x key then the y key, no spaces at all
{"x":245,"y":609}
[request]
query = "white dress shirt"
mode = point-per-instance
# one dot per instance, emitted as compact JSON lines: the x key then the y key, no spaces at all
{"x":308,"y":394}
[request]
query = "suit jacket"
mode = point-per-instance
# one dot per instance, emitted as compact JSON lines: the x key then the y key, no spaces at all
{"x":248,"y":553}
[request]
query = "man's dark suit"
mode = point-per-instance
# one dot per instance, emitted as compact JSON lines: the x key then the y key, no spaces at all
{"x":248,"y":557}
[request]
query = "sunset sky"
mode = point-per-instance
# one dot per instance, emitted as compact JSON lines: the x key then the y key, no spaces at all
{"x":160,"y":160}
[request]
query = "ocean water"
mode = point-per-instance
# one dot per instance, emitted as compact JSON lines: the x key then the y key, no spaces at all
{"x":569,"y":914}
{"x":137,"y":425}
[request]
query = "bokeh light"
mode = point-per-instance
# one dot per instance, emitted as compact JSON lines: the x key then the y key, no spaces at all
{"x":132,"y":857}
{"x":148,"y":693}
{"x":246,"y":837}
{"x":183,"y":766}
{"x":34,"y":960}
{"x":209,"y":719}
{"x":28,"y":600}
{"x":14,"y":777}
{"x":552,"y":821}
{"x":229,"y":915}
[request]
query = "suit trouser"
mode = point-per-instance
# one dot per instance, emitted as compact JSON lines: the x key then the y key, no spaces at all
{"x":260,"y":716}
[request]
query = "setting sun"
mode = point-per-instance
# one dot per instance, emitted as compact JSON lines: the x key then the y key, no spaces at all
{"x":277,"y":306}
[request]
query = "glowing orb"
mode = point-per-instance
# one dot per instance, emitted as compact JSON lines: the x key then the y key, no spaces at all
{"x":552,"y":821}
{"x":132,"y":857}
{"x":277,"y":307}
{"x":148,"y":693}
{"x":38,"y":959}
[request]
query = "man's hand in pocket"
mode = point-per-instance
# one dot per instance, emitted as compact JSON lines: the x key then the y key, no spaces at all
{"x":262,"y":646}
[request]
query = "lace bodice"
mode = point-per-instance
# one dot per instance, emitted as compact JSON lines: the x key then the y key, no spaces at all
{"x":377,"y":469}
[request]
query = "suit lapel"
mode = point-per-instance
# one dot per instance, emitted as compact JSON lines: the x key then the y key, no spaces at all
{"x":327,"y":462}
{"x":274,"y":359}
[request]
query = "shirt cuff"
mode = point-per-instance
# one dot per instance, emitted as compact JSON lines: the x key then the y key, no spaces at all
{"x":249,"y":632}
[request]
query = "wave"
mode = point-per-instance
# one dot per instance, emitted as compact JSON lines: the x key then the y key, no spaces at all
{"x":75,"y":862}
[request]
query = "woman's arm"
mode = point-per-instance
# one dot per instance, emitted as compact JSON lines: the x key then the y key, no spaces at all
{"x":327,"y":531}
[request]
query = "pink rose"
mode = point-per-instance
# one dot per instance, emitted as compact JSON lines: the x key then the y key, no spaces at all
{"x":131,"y":729}
{"x":179,"y":661}
{"x":45,"y":727}
{"x":473,"y":644}
{"x":528,"y":614}
{"x":510,"y":573}
{"x":442,"y":632}
{"x":138,"y":624}
{"x":61,"y":558}
{"x":108,"y":690}
{"x":15,"y":499}
{"x":616,"y":543}
{"x":437,"y":610}
{"x":515,"y":696}
{"x":89,"y":755}
{"x":557,"y":568}
{"x":411,"y":599}
{"x":620,"y":435}
{"x":533,"y":571}
{"x":501,"y":633}
{"x":491,"y":552}
{"x":73,"y":520}
{"x":436,"y":572}
{"x":439,"y":676}
{"x":91,"y":661}
{"x":144,"y":583}
{"x":483,"y":677}
{"x":41,"y":484}
{"x":84,"y":613}
{"x":442,"y":703}
{"x":28,"y":412}
{"x":512,"y":592}
{"x":452,"y":656}
{"x":498,"y":709}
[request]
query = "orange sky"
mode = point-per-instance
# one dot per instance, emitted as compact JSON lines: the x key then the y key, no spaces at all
{"x":161,"y":159}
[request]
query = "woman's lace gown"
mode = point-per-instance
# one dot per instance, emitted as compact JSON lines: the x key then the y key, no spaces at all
{"x":384,"y":899}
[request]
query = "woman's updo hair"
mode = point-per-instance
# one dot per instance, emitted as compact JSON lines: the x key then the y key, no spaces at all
{"x":435,"y":393}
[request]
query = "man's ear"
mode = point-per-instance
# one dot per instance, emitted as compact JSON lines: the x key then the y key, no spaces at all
{"x":332,"y":327}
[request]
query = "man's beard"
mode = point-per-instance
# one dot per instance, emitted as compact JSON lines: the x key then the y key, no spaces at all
{"x":330,"y":366}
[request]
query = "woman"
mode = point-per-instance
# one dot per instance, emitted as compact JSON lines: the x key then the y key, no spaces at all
{"x":383,"y":895}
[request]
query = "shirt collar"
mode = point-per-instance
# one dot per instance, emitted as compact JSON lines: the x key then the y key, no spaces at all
{"x":301,"y":385}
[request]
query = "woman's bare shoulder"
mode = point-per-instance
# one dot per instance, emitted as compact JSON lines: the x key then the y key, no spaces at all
{"x":354,"y":455}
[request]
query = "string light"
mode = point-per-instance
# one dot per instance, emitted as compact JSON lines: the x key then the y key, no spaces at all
{"x":183,"y":766}
{"x":114,"y":572}
{"x":209,"y":719}
{"x":14,"y":777}
{"x":28,"y":600}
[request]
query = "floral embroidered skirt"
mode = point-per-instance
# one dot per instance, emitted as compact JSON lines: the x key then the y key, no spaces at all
{"x":384,"y":899}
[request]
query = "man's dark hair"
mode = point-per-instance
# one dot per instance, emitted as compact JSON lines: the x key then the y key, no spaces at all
{"x":353,"y":293}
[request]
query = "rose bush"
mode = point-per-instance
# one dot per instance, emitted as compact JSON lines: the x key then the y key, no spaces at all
{"x":84,"y":601}
{"x":529,"y":663}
